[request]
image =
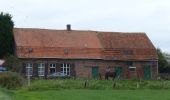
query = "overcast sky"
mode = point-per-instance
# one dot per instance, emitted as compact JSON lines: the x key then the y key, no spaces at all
{"x":150,"y":16}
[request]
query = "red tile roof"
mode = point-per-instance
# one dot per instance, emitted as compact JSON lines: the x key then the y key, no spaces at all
{"x":82,"y":44}
{"x":56,"y":38}
{"x":125,"y":40}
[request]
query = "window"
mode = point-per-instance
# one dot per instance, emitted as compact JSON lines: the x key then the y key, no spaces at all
{"x":52,"y":65}
{"x":65,"y":68}
{"x":66,"y":50}
{"x":132,"y":69}
{"x":52,"y":68}
{"x":41,"y":69}
{"x":29,"y":69}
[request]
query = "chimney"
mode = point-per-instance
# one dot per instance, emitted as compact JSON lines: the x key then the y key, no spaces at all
{"x":68,"y":27}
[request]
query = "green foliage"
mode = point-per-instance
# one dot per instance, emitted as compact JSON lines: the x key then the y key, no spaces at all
{"x":162,"y":60}
{"x":10,"y":80}
{"x":6,"y":34}
{"x":9,"y":61}
{"x":164,"y":66}
{"x":167,"y":57}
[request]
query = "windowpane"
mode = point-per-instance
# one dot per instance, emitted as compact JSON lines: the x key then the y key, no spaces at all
{"x":29,"y":69}
{"x":65,"y":68}
{"x":41,"y":69}
{"x":52,"y":65}
{"x":132,"y":68}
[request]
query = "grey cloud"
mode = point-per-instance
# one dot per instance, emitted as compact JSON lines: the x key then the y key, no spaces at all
{"x":150,"y":16}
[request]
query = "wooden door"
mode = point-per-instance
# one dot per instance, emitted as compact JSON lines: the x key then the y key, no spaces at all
{"x":95,"y":72}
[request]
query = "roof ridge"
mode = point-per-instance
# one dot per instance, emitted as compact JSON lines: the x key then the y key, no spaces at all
{"x":79,"y":30}
{"x":53,"y":29}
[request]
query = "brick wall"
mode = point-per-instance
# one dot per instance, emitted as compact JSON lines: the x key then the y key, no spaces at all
{"x":83,"y":68}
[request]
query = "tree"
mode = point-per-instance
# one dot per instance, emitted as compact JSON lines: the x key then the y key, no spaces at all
{"x":162,"y":62}
{"x":9,"y":61}
{"x":6,"y":34}
{"x":167,"y":56}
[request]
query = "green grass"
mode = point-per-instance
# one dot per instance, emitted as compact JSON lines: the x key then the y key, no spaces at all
{"x":95,"y":90}
{"x":5,"y":95}
{"x":93,"y":95}
{"x":97,"y":85}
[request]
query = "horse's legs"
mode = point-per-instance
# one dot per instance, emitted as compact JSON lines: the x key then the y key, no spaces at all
{"x":106,"y":76}
{"x":114,"y":75}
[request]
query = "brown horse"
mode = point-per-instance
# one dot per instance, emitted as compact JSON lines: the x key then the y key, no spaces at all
{"x":110,"y":74}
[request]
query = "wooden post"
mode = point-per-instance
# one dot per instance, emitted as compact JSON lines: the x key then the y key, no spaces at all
{"x":86,"y":84}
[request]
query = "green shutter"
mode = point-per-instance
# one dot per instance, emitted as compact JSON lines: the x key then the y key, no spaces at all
{"x":147,"y":72}
{"x":95,"y":72}
{"x":119,"y":71}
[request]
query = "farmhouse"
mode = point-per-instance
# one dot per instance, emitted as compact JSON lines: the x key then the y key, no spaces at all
{"x":85,"y":54}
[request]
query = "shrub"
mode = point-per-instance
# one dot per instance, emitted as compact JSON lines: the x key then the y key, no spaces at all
{"x":10,"y":80}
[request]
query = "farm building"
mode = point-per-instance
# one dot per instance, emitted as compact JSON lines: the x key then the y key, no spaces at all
{"x":85,"y":54}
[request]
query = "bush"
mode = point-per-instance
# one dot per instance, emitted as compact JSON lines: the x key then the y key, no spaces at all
{"x":10,"y":80}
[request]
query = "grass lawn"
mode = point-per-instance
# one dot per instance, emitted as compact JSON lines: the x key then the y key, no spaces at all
{"x":93,"y":95}
{"x":95,"y":90}
{"x":4,"y":96}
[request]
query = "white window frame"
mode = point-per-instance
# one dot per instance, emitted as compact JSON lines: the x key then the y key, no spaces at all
{"x":29,"y":69}
{"x":52,"y":65}
{"x":65,"y":68}
{"x":41,"y":69}
{"x":132,"y":67}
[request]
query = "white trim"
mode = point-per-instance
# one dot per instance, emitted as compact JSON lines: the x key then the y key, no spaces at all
{"x":132,"y":67}
{"x":52,"y":65}
{"x":157,"y":67}
{"x":29,"y":69}
{"x":41,"y":69}
{"x":65,"y":69}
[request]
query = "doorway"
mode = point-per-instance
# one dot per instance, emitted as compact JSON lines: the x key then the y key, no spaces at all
{"x":95,"y":72}
{"x":119,"y":71}
{"x":147,"y":72}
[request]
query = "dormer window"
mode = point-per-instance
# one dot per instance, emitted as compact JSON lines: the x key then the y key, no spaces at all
{"x":66,"y":50}
{"x":128,"y":52}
